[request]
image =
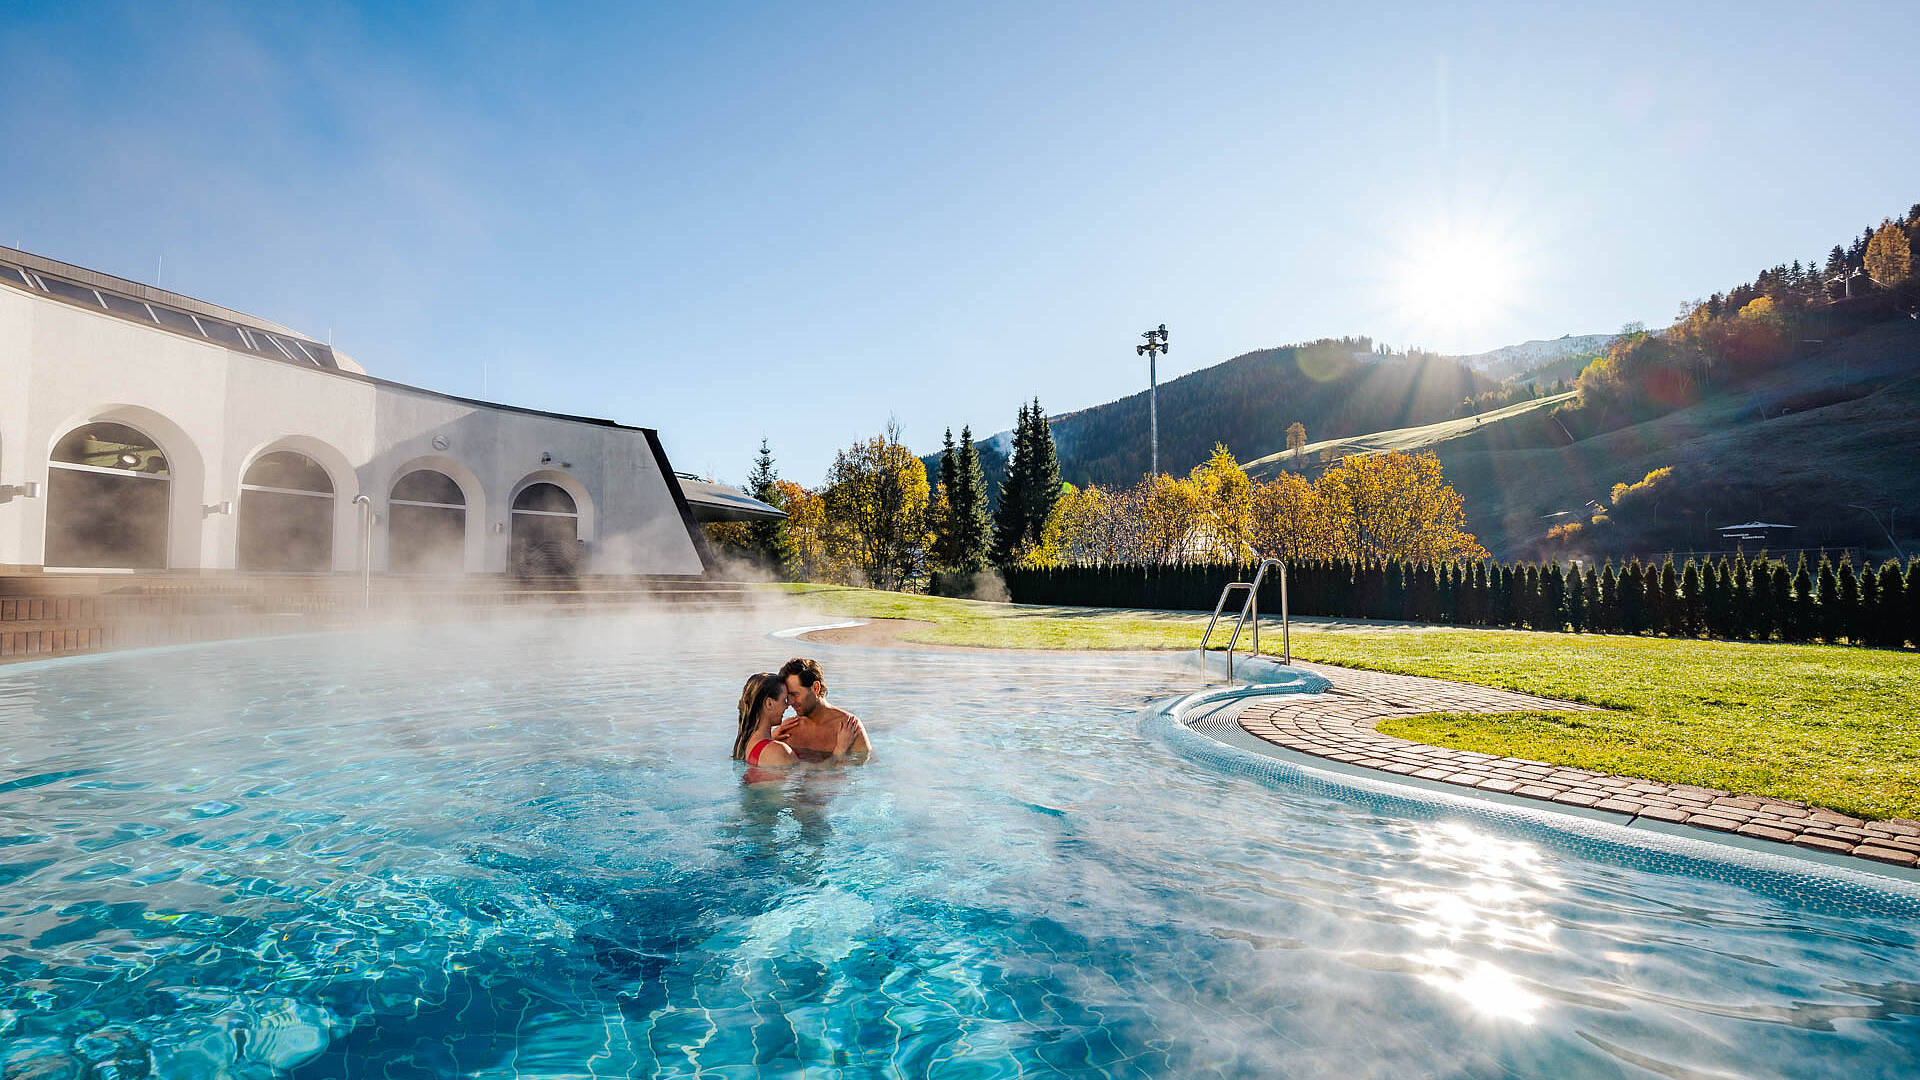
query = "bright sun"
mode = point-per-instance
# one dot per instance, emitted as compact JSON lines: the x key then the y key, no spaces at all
{"x":1456,"y":282}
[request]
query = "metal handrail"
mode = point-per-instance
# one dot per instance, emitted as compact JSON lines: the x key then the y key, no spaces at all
{"x":1217,"y":608}
{"x":1251,"y":606}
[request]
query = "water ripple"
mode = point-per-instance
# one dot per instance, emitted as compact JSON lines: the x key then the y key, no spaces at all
{"x":521,"y":850}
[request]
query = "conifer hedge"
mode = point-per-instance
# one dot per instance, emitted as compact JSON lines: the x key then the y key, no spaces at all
{"x":1735,"y":600}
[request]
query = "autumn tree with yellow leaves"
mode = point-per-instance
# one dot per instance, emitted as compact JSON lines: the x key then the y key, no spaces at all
{"x":810,"y":559}
{"x":1395,"y":506}
{"x":1224,"y":498}
{"x":1366,"y":507}
{"x":1289,"y":521}
{"x":874,"y":507}
{"x":1889,"y":255}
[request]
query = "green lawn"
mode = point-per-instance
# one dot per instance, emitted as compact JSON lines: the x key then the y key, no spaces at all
{"x":1833,"y":726}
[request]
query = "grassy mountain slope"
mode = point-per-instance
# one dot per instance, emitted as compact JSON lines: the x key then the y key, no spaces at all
{"x":1408,"y":439}
{"x":1833,"y":428}
{"x":1335,"y":388}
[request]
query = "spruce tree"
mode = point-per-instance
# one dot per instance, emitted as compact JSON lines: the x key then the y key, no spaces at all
{"x":1606,"y":595}
{"x":1633,"y":599}
{"x":1910,"y":618}
{"x":1693,"y":607}
{"x":1043,"y":473}
{"x":1533,"y":606}
{"x":1397,"y":602}
{"x":949,"y":466}
{"x":1866,"y":621}
{"x":1032,"y":486}
{"x":1893,"y":604}
{"x":1718,"y":581}
{"x":1010,"y":523}
{"x":1390,"y":593}
{"x":944,"y":525}
{"x":1519,"y":599}
{"x":1615,"y":586}
{"x":1666,"y":612}
{"x":1764,"y":618}
{"x":1847,"y":619}
{"x":972,"y":533}
{"x":1739,"y":599}
{"x":767,"y":540}
{"x":1780,"y":600}
{"x":1553,"y":596}
{"x":1827,"y":606}
{"x":1803,"y":613}
{"x":1577,"y":599}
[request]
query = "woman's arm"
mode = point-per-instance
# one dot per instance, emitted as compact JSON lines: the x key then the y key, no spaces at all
{"x":778,"y":755}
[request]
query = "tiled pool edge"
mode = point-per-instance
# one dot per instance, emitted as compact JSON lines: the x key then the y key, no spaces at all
{"x":1340,"y":727}
{"x":1266,"y":678}
{"x":1766,"y":865}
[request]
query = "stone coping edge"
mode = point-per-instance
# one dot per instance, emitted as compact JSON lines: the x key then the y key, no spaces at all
{"x":1775,"y":869}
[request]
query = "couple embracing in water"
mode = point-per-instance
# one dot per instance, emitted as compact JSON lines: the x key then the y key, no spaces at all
{"x":769,"y":739}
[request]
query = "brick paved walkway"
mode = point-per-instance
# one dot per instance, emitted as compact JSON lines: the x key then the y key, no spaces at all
{"x":1340,"y":727}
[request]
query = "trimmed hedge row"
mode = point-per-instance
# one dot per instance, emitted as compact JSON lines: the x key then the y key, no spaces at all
{"x":1733,"y":599}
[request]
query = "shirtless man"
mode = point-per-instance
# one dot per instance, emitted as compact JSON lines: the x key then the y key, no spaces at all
{"x":814,"y":731}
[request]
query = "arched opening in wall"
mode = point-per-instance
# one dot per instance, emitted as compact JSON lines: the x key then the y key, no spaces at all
{"x":546,"y":533}
{"x":286,"y":515}
{"x":108,"y":490}
{"x":426,"y":524}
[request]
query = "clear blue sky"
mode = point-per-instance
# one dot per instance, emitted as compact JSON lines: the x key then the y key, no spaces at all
{"x":724,"y":220}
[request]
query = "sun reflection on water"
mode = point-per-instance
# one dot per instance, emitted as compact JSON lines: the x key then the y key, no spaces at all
{"x":1496,"y":906}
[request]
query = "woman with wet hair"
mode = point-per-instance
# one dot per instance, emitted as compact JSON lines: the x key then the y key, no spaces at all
{"x":762,"y":703}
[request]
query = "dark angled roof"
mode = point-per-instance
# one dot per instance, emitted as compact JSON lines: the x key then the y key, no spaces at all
{"x":717,"y":502}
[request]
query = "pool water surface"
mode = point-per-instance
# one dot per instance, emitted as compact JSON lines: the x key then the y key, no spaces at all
{"x":520,"y":850}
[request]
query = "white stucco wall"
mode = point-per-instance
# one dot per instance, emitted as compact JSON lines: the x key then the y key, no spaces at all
{"x":214,"y":412}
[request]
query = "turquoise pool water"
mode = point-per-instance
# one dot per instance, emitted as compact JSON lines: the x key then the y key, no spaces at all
{"x":521,"y":851}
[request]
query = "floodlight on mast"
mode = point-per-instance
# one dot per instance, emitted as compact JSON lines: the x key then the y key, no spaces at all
{"x":1156,"y":345}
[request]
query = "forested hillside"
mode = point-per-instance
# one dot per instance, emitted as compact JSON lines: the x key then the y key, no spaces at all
{"x":1335,"y":387}
{"x":1565,"y":356}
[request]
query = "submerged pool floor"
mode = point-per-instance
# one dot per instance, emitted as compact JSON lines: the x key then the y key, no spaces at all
{"x":521,"y":851}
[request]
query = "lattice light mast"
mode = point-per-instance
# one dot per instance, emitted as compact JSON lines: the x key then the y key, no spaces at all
{"x":1156,"y":344}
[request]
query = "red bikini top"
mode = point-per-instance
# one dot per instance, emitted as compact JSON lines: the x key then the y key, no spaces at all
{"x":753,"y":752}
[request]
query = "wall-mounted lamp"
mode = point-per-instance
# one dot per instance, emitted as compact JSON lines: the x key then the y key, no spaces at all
{"x":28,"y":490}
{"x":221,"y":507}
{"x":547,"y":459}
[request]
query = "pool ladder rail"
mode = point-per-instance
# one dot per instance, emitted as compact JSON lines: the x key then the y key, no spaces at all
{"x":1250,"y":608}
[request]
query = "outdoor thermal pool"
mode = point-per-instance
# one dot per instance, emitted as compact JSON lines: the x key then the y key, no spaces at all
{"x":520,"y":850}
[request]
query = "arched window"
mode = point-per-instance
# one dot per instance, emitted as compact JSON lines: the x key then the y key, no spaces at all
{"x":427,"y":524}
{"x":546,"y":532}
{"x":286,"y":515}
{"x":108,"y":490}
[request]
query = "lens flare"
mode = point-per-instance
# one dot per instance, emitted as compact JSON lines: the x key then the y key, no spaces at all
{"x":1456,"y":280}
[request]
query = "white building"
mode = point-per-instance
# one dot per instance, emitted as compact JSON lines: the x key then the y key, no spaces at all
{"x":144,"y":430}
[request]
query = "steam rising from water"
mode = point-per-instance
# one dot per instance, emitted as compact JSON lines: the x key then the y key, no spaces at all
{"x":520,"y":846}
